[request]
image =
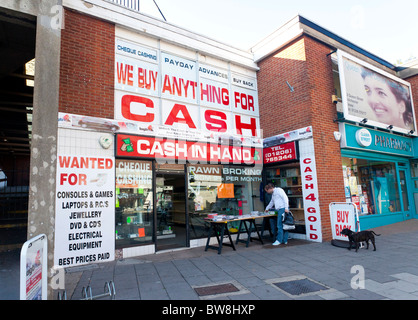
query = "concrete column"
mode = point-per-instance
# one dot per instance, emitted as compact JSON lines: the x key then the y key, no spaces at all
{"x":41,"y":211}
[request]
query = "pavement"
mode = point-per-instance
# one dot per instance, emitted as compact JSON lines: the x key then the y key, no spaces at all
{"x":300,"y":270}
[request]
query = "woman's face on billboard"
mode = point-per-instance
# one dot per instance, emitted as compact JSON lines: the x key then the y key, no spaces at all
{"x":383,"y":102}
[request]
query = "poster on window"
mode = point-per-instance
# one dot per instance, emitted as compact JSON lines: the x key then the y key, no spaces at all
{"x":374,"y":96}
{"x":85,"y":210}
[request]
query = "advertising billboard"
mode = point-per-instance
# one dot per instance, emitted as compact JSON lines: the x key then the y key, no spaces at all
{"x":155,"y":88}
{"x":375,"y":97}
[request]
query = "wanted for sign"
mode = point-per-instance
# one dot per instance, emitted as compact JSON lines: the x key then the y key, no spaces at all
{"x":85,"y":214}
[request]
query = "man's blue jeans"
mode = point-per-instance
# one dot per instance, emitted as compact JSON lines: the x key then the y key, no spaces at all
{"x":277,"y":228}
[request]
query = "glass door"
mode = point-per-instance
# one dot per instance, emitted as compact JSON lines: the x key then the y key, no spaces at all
{"x":404,"y":193}
{"x":171,"y":227}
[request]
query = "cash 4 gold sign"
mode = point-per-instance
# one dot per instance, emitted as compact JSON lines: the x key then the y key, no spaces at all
{"x":310,"y":199}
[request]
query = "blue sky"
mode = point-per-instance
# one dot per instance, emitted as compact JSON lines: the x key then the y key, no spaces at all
{"x":388,"y":29}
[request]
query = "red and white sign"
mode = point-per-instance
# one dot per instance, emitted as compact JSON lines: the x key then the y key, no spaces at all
{"x":159,"y":148}
{"x":310,"y":198}
{"x":343,"y":215}
{"x":180,"y":93}
{"x":85,"y":210}
{"x":283,"y":152}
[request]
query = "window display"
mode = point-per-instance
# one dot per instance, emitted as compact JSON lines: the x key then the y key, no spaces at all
{"x":134,"y":202}
{"x":221,"y":189}
{"x":371,"y":185}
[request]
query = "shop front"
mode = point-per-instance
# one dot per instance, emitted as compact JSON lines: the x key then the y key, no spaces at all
{"x":377,"y":175}
{"x":180,"y":140}
{"x":289,"y":163}
{"x":378,"y":129}
{"x":165,"y":189}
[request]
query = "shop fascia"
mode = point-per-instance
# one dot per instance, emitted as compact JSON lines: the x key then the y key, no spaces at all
{"x":168,"y":150}
{"x":361,"y":138}
{"x":82,"y":122}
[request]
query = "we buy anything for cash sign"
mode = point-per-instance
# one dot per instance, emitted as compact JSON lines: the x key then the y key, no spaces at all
{"x":153,"y":87}
{"x":85,"y":210}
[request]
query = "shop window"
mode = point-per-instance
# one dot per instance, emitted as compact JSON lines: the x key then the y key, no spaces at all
{"x":222,"y":189}
{"x":134,"y":202}
{"x":371,"y":185}
{"x":414,"y":169}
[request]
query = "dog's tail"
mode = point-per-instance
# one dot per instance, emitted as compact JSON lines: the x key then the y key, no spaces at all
{"x":374,"y":233}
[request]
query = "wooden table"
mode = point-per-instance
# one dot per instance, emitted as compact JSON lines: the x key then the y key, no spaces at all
{"x":221,"y":228}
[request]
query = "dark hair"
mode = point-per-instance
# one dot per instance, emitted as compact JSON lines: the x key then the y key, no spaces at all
{"x":399,"y":91}
{"x":269,"y":186}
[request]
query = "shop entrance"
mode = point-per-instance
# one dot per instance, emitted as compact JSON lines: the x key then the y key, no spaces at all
{"x":171,"y":227}
{"x":404,"y":193}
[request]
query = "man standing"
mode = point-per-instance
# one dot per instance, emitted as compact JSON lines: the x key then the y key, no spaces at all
{"x":280,"y":201}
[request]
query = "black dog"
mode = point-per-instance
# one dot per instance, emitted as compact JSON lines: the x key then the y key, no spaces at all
{"x":357,"y":237}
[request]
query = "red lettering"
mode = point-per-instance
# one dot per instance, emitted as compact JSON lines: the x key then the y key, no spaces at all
{"x":126,"y":108}
{"x":176,"y":86}
{"x":309,"y":186}
{"x":214,"y":94}
{"x":311,"y":197}
{"x":216,"y":121}
{"x":125,"y":73}
{"x":250,"y":126}
{"x":342,"y":216}
{"x":307,"y":160}
{"x":308,"y":169}
{"x":225,"y":96}
{"x":147,"y":78}
{"x":109,"y":163}
{"x":73,"y":179}
{"x":308,"y":177}
{"x":64,"y":161}
{"x":167,"y":84}
{"x":312,"y":218}
{"x":173,"y":116}
{"x":246,"y":101}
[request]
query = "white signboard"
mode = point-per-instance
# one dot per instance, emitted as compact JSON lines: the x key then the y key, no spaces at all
{"x":154,"y":88}
{"x":33,"y":269}
{"x":343,"y":215}
{"x":310,"y":198}
{"x":85,"y":214}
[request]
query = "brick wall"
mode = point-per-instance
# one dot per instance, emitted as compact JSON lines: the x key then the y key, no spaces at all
{"x":304,"y":64}
{"x":327,"y":150}
{"x":280,"y":109}
{"x":87,"y":66}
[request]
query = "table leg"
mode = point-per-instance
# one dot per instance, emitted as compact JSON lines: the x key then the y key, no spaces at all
{"x":209,"y":236}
